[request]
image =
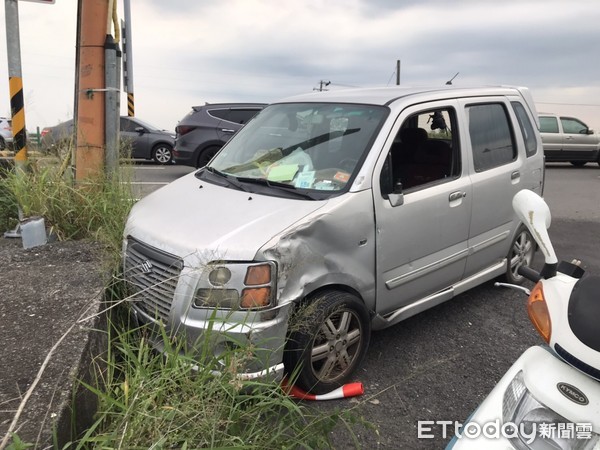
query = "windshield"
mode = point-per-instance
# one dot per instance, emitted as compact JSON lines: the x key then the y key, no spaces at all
{"x":313,"y":146}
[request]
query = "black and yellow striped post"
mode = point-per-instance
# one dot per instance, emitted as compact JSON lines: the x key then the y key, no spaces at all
{"x":127,"y":57}
{"x":17,"y":108}
{"x":130,"y":105}
{"x":17,"y":104}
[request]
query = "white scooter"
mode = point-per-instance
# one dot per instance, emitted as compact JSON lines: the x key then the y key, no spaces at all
{"x":550,"y":397}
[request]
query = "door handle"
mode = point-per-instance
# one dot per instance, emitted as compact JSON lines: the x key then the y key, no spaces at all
{"x":515,"y":175}
{"x":456,"y":196}
{"x":227,"y":130}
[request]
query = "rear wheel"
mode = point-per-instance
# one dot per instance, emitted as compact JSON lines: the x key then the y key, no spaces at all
{"x":206,"y":155}
{"x":328,"y":340}
{"x":162,"y":154}
{"x":520,"y":254}
{"x":578,"y":163}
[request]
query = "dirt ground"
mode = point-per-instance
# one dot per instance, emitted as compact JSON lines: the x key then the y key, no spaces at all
{"x":43,"y":292}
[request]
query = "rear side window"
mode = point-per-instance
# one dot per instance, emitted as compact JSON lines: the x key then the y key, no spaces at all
{"x":241,"y":116}
{"x":491,"y":137}
{"x":548,"y":124}
{"x":219,"y":113}
{"x":526,"y":129}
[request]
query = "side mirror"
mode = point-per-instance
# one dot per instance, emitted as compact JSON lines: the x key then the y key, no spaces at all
{"x":590,"y":131}
{"x":140,"y":130}
{"x":397,"y":197}
{"x":533,"y":211}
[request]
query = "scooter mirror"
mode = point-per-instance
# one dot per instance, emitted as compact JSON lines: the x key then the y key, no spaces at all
{"x":533,"y":211}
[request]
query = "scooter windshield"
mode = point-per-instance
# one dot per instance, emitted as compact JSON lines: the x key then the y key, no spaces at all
{"x":309,"y":146}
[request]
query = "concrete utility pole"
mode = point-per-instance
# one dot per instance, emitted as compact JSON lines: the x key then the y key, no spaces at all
{"x":17,"y":102}
{"x":322,"y":85}
{"x":398,"y":72}
{"x":112,"y":103}
{"x":90,"y":99}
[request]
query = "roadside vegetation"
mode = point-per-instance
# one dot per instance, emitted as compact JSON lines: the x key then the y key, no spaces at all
{"x":146,"y":399}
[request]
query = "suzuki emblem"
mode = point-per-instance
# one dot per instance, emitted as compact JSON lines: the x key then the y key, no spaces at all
{"x":146,"y":267}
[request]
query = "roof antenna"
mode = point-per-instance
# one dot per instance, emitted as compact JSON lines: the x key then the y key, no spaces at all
{"x":449,"y":82}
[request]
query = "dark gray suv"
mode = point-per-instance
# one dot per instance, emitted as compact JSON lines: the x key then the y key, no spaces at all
{"x":202,"y":132}
{"x":139,"y":139}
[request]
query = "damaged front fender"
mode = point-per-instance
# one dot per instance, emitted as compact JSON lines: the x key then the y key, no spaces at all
{"x":335,"y":246}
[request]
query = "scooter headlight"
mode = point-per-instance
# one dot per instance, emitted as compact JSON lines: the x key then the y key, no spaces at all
{"x":536,"y":427}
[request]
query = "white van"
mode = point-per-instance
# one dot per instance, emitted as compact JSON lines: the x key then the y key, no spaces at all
{"x":333,"y":214}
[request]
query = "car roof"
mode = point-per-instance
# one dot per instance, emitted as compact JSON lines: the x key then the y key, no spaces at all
{"x":229,"y":105}
{"x":388,"y":95}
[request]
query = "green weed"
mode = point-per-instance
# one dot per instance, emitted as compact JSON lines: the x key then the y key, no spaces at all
{"x":168,"y":400}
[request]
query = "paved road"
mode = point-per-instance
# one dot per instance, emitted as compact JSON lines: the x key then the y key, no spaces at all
{"x":148,"y":177}
{"x":442,"y":363}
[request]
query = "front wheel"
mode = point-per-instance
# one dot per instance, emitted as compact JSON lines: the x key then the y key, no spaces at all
{"x":162,"y":154}
{"x":520,"y":254}
{"x":328,"y":340}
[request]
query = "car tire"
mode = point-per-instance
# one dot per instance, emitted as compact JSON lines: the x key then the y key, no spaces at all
{"x":162,"y":154}
{"x":206,"y":155}
{"x":520,"y":254}
{"x":328,"y":339}
{"x":578,"y":163}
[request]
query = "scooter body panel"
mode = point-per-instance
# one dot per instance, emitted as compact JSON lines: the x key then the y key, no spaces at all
{"x":543,"y":375}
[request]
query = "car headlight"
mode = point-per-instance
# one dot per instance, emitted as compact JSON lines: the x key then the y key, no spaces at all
{"x":246,"y":286}
{"x":537,"y":427}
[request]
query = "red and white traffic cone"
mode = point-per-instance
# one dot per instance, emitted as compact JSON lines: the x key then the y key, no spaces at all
{"x":346,"y":391}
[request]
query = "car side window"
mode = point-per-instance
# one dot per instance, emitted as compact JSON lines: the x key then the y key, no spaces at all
{"x":573,"y":126}
{"x":548,"y":124}
{"x":424,"y":152}
{"x":241,"y":116}
{"x":526,"y":129}
{"x":492,"y":140}
{"x":219,"y":113}
{"x":128,"y":125}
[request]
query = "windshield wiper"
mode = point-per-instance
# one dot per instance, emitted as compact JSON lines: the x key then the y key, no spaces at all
{"x":277,"y":185}
{"x":320,"y":139}
{"x":231,"y":180}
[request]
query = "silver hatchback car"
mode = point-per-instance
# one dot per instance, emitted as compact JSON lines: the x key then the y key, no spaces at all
{"x":333,"y":214}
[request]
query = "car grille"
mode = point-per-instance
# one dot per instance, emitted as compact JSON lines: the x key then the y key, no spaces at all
{"x":151,"y":277}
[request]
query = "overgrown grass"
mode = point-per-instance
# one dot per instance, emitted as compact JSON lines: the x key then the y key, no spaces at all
{"x":95,"y":209}
{"x":147,"y":400}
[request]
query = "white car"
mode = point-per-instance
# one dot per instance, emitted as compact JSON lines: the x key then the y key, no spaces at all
{"x":6,"y":136}
{"x":568,"y":139}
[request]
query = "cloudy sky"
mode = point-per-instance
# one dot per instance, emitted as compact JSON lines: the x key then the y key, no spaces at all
{"x":188,"y":52}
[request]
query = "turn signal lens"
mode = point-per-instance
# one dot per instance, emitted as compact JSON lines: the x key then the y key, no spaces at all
{"x":256,"y":298}
{"x":257,"y":275}
{"x":538,"y":312}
